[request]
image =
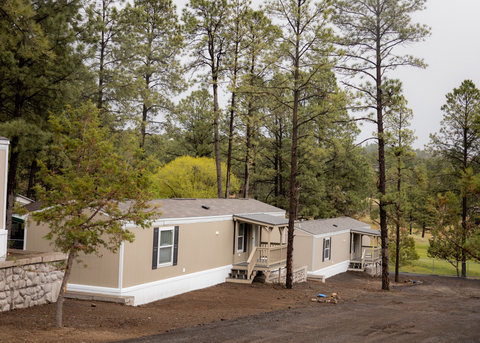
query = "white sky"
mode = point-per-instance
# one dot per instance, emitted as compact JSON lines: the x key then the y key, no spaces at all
{"x":452,"y":53}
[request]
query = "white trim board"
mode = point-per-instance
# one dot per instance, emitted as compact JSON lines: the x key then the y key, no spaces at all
{"x":3,"y":245}
{"x":332,"y":270}
{"x":194,"y":220}
{"x":149,"y":292}
{"x":4,"y":144}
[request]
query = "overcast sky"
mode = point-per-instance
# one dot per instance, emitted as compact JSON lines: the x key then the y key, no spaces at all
{"x":452,"y":53}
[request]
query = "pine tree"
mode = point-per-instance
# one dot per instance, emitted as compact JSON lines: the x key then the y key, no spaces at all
{"x":371,"y":30}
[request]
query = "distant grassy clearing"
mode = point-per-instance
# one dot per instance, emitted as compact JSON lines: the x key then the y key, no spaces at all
{"x":428,"y":266}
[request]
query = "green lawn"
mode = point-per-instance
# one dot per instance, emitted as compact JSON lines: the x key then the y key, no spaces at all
{"x":428,"y":266}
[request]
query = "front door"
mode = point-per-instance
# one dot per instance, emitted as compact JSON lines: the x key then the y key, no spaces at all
{"x":254,"y":235}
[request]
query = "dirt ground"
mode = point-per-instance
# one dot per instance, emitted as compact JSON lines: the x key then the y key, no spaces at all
{"x":86,"y":321}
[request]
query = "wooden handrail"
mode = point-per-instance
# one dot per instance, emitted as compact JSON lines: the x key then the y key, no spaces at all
{"x":249,"y":262}
{"x":266,"y":256}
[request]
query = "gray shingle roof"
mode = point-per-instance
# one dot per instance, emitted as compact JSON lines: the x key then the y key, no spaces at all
{"x":185,"y":208}
{"x":323,"y":226}
{"x":264,"y":219}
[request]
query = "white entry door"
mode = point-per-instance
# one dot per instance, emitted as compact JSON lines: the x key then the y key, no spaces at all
{"x":254,"y":236}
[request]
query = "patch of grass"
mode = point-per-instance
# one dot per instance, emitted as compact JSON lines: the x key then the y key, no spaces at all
{"x":429,"y":266}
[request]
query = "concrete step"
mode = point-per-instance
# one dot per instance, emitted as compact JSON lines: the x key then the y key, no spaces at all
{"x":125,"y":300}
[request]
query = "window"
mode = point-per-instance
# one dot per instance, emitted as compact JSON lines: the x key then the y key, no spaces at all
{"x":241,"y":238}
{"x":327,"y":249}
{"x":165,"y":246}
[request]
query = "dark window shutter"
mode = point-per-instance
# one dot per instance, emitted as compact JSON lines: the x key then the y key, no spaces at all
{"x":175,"y":246}
{"x":323,"y":251}
{"x":155,"y":248}
{"x":351,"y":243}
{"x":234,"y":235}
{"x":245,"y":240}
{"x":330,"y":250}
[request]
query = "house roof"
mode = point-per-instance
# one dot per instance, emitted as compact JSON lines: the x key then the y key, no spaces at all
{"x":323,"y":226}
{"x":186,"y":208}
{"x":367,"y":231}
{"x":263,"y":219}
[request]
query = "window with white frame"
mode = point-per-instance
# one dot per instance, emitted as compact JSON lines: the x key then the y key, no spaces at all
{"x":327,"y":249}
{"x":165,"y":246}
{"x":241,"y":237}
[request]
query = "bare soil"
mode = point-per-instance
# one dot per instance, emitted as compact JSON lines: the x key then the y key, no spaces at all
{"x":448,"y":302}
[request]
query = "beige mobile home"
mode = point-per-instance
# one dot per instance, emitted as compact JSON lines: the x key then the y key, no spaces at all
{"x":195,"y":243}
{"x":332,"y":246}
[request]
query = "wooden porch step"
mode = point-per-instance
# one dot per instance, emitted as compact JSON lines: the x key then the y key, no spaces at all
{"x":246,"y":281}
{"x":238,"y":275}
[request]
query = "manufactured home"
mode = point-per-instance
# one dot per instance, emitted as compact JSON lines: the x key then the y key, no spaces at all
{"x":332,"y":246}
{"x":195,"y":243}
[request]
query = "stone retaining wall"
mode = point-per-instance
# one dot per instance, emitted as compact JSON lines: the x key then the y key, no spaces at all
{"x":30,"y":281}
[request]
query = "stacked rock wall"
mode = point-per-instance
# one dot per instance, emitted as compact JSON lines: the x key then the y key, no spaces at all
{"x":30,"y":281}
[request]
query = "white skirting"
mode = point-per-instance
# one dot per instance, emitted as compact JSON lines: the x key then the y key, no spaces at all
{"x":332,"y":270}
{"x":3,"y":244}
{"x":149,"y":292}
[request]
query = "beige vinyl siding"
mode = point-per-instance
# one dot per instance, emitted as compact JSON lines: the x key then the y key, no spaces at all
{"x":340,"y":250}
{"x":100,"y":271}
{"x":3,"y":182}
{"x":302,"y":250}
{"x":199,"y":249}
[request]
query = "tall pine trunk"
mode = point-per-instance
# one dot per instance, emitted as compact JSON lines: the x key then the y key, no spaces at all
{"x":217,"y":135}
{"x":293,"y":168}
{"x":381,"y":165}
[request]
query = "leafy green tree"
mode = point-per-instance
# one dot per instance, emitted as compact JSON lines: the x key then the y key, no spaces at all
{"x":458,"y":142}
{"x":236,"y":33}
{"x":422,"y":187}
{"x":190,"y":177}
{"x":371,"y":31}
{"x":39,"y":64}
{"x":399,"y":138}
{"x":100,"y":35}
{"x":257,"y":44}
{"x":205,"y":28}
{"x":191,"y":123}
{"x":302,"y":53}
{"x":445,"y":249}
{"x":407,"y":251}
{"x":87,"y":202}
{"x":152,"y":42}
